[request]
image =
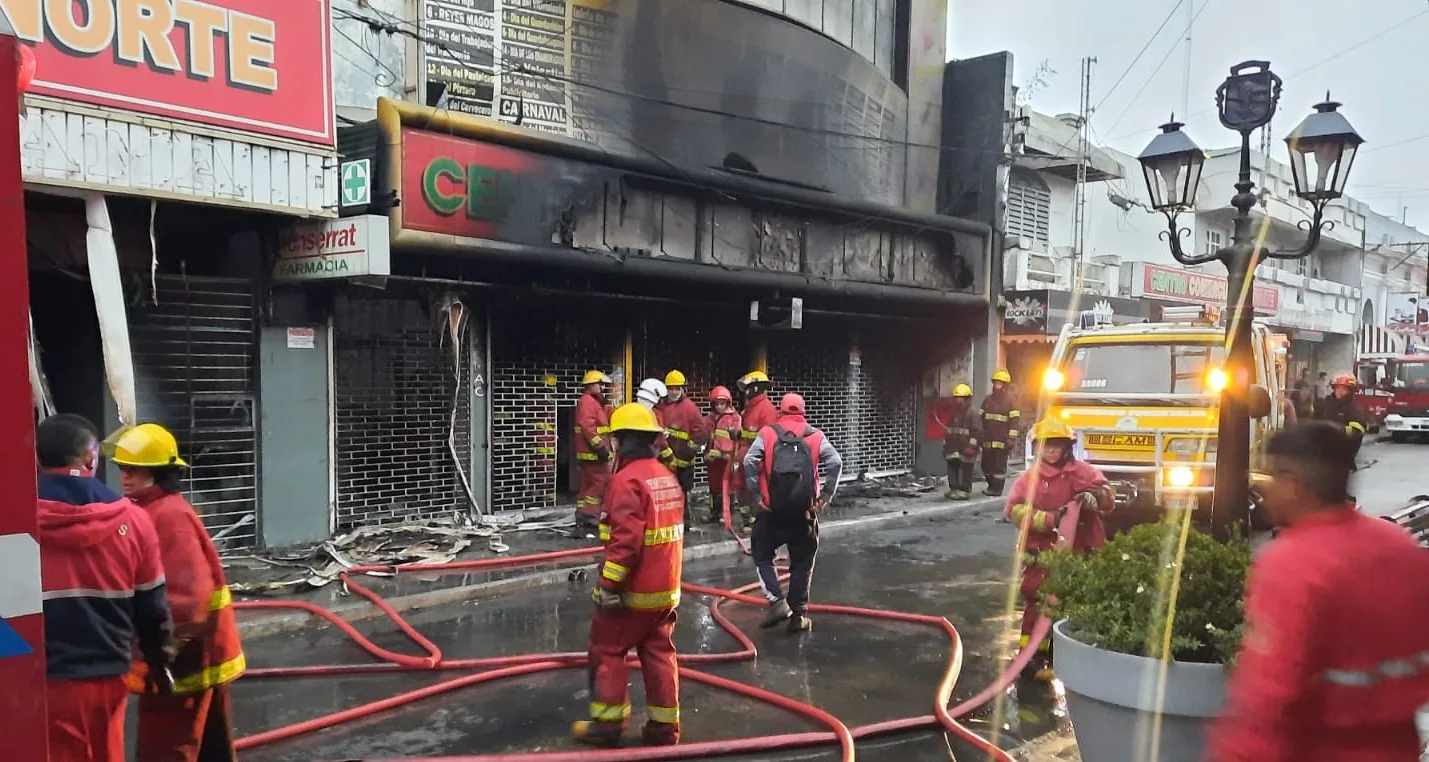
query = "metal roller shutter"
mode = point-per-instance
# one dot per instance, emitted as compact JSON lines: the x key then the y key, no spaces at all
{"x":194,"y":345}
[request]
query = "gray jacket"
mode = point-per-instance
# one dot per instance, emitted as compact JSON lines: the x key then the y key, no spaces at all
{"x":829,"y":460}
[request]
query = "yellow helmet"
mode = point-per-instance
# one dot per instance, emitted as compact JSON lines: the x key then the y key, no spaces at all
{"x":754,"y":377}
{"x":594,"y":377}
{"x":962,"y":390}
{"x":1051,"y":428}
{"x":1003,"y":376}
{"x":674,"y":378}
{"x":634,"y":416}
{"x":147,"y":445}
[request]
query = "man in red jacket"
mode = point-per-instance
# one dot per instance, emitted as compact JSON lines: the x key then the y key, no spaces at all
{"x":758,"y":413}
{"x":1036,"y":505}
{"x":639,"y":588}
{"x":195,"y":724}
{"x":591,"y":451}
{"x":1335,"y":659}
{"x":104,"y":594}
{"x":684,"y":424}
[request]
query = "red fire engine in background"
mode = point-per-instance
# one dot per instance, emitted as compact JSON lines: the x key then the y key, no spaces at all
{"x":1394,"y":392}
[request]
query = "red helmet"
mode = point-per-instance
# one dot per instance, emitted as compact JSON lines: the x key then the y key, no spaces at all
{"x":1345,"y":379}
{"x":720,"y":394}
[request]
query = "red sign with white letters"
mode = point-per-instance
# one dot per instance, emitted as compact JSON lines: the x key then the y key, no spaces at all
{"x":252,"y":65}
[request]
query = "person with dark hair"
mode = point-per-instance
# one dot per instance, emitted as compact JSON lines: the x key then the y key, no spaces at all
{"x":193,"y":721}
{"x":642,"y":526}
{"x":1332,"y":664}
{"x":104,"y":594}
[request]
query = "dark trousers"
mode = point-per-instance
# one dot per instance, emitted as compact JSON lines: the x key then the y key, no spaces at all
{"x":686,"y":478}
{"x":994,"y":468}
{"x":802,"y":539}
{"x":960,"y":474}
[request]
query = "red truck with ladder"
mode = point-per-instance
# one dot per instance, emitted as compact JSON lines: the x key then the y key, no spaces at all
{"x":1394,"y":392}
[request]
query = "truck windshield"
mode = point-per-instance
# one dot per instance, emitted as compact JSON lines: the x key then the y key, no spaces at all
{"x":1414,"y":374}
{"x":1141,"y":368}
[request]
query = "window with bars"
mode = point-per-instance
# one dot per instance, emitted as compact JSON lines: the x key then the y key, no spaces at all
{"x":1029,"y":207}
{"x":1214,"y":241}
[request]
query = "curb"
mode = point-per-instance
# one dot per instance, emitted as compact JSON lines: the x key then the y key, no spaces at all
{"x":358,"y":610}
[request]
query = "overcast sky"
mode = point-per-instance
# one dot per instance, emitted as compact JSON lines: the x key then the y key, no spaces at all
{"x":1370,"y":54}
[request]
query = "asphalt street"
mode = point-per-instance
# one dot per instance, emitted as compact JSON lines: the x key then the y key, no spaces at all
{"x":1396,"y":472}
{"x":955,"y":565}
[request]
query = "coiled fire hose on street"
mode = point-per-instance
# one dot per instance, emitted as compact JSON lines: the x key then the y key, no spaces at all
{"x":502,"y":667}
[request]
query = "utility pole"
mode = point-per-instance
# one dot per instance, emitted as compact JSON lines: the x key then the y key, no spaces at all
{"x":1084,"y":149}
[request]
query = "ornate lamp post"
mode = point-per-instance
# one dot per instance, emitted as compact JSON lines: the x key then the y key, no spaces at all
{"x":1172,"y":166}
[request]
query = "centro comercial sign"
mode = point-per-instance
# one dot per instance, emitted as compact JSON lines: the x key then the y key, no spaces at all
{"x":1178,"y":285}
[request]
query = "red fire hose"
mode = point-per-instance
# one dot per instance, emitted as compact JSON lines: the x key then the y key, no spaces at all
{"x":501,"y":667}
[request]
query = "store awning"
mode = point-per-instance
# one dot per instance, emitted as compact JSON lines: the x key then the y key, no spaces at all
{"x":1378,"y":340}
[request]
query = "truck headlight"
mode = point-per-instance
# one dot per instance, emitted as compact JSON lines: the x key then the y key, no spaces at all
{"x":1393,"y":418}
{"x":1180,"y":477}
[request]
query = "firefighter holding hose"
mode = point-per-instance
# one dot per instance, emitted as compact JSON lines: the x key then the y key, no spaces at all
{"x":189,"y":719}
{"x":1040,"y":499}
{"x":639,"y":588}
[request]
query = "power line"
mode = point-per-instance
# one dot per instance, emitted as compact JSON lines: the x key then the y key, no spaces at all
{"x":1157,"y":70}
{"x":1139,"y":54}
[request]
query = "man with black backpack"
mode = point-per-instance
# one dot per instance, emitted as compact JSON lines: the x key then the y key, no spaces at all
{"x":782,"y":469}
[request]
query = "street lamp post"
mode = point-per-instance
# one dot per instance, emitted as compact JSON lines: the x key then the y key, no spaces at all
{"x":1172,"y":165}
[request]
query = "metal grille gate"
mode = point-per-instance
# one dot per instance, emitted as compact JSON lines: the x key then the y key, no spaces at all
{"x":194,"y":344}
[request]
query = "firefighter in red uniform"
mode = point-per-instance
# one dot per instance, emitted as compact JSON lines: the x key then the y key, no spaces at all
{"x":1342,"y":409}
{"x":1333,"y":663}
{"x":651,"y":393}
{"x":1037,"y":503}
{"x":961,"y":442}
{"x":758,"y":413}
{"x":724,"y":426}
{"x":684,"y":425}
{"x":591,"y":450}
{"x":193,"y":722}
{"x":639,"y":588}
{"x":1001,"y":421}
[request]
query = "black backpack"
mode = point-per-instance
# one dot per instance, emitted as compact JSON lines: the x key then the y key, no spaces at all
{"x":793,"y":480}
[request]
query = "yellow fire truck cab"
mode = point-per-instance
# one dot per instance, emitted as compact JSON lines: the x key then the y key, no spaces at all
{"x":1144,"y":400}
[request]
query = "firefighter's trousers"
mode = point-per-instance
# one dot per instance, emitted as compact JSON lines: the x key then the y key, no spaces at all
{"x":802,"y":539}
{"x":188,"y":728}
{"x":994,"y":466}
{"x":718,"y":471}
{"x":613,"y":632}
{"x":594,"y":475}
{"x":960,"y":473}
{"x":87,"y":719}
{"x":1033,"y":575}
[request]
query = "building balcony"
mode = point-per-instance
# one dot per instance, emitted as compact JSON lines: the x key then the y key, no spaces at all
{"x":1029,"y":265}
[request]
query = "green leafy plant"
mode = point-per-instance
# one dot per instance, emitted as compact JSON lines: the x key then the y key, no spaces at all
{"x":1118,"y":598}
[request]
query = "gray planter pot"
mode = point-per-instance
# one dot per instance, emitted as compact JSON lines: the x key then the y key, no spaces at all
{"x":1111,"y":699}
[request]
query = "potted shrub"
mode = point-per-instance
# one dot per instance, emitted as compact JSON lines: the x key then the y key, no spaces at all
{"x":1111,"y":609}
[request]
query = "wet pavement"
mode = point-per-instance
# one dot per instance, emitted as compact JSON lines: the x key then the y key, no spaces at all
{"x":861,"y":670}
{"x":1395,"y":473}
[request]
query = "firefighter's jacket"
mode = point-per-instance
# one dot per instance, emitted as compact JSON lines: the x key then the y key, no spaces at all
{"x":643,"y":530}
{"x":591,"y":443}
{"x":724,"y":434}
{"x":1345,"y":413}
{"x":205,"y":628}
{"x":758,"y":413}
{"x":684,"y":424}
{"x":964,"y":432}
{"x":1041,"y":492}
{"x":1001,"y":420}
{"x":1333,"y":662}
{"x":662,"y":440}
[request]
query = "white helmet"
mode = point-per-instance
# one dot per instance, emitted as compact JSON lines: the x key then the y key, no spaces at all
{"x":651,"y":391}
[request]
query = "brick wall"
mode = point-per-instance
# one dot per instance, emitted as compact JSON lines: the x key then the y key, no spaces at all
{"x":394,"y":384}
{"x":540,"y":348}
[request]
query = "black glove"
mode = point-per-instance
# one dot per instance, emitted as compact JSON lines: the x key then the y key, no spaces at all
{"x":161,"y":681}
{"x":1088,"y":500}
{"x":606,"y":599}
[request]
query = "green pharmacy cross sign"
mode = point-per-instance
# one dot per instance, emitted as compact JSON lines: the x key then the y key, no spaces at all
{"x":356,"y":186}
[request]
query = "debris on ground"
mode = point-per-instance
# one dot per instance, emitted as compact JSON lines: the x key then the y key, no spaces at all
{"x":422,"y":543}
{"x":895,"y":485}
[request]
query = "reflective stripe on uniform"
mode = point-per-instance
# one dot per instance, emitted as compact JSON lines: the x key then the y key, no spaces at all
{"x":604,"y":530}
{"x":959,"y":431}
{"x":602,"y":429}
{"x":221,"y":598}
{"x":750,"y":435}
{"x":677,"y":463}
{"x":614,"y":571}
{"x":667,"y":454}
{"x":664,"y":535}
{"x":1014,"y":414}
{"x":670,"y":715}
{"x":212,"y":677}
{"x":652,"y":601}
{"x":999,"y":417}
{"x":609,"y":712}
{"x":1354,"y":426}
{"x":677,"y":434}
{"x":587,"y":456}
{"x":1045,"y":645}
{"x":996,"y":445}
{"x":1012,"y":433}
{"x":1393,"y":669}
{"x":721,"y":434}
{"x":714,"y":455}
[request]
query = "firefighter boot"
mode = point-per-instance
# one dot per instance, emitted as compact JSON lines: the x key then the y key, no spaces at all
{"x":800,"y":623}
{"x":605,"y":735}
{"x":660,"y":734}
{"x":778,"y":612}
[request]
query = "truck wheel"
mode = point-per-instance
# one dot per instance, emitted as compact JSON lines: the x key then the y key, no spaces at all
{"x":1399,"y":437}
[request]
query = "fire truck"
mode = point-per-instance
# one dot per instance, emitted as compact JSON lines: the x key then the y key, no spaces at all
{"x":1394,"y":391}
